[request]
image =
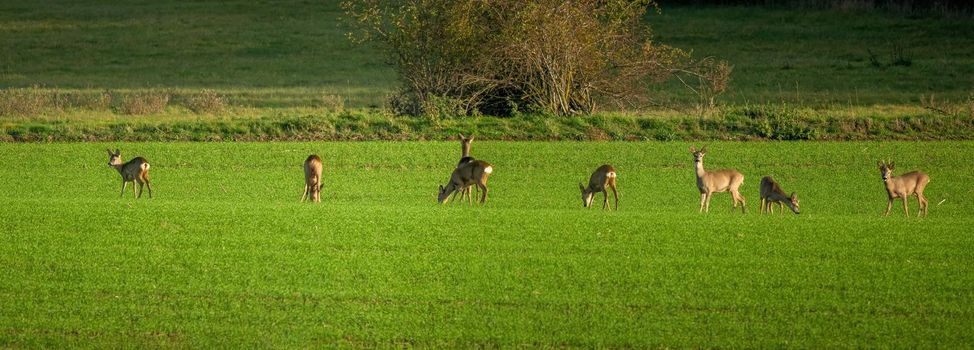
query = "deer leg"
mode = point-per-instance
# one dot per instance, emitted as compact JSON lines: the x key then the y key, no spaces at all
{"x":305,"y":194}
{"x":141,"y":186}
{"x":123,"y":189}
{"x":889,"y":206}
{"x":707,"y":209}
{"x":605,"y":198}
{"x":615,"y":194}
{"x":483,"y":198}
{"x":743,"y":203}
{"x":147,"y":185}
{"x":703,"y":197}
{"x":906,"y":205}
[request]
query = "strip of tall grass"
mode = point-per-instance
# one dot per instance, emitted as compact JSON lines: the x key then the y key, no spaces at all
{"x":750,"y":122}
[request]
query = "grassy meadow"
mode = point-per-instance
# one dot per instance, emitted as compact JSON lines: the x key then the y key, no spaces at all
{"x":225,"y":256}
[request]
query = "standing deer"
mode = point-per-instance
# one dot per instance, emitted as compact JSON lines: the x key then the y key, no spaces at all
{"x":904,"y":186}
{"x":312,"y":178}
{"x":474,"y":172}
{"x":727,"y":180}
{"x":604,"y":176}
{"x":134,"y":171}
{"x":464,"y":158}
{"x":772,"y":193}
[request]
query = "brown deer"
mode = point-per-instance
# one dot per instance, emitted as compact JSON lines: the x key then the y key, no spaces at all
{"x":474,"y":172}
{"x":772,"y":193}
{"x":604,"y":176}
{"x":727,"y":180}
{"x":312,"y":178}
{"x":904,"y":186}
{"x":135,"y":171}
{"x":464,"y":158}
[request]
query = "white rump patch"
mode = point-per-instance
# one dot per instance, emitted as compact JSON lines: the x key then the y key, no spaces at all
{"x":145,"y":166}
{"x":488,"y":170}
{"x":611,"y":174}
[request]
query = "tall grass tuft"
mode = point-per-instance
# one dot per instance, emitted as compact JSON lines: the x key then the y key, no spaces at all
{"x":143,"y":102}
{"x":206,"y":102}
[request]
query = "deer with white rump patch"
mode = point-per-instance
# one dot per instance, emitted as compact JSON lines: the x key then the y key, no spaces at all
{"x":604,"y":176}
{"x":472,"y":173}
{"x":135,"y":171}
{"x":772,"y":193}
{"x":708,"y":182}
{"x":904,"y":186}
{"x":312,"y":179}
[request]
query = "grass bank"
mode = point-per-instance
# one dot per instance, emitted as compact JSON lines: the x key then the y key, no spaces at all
{"x":767,"y":122}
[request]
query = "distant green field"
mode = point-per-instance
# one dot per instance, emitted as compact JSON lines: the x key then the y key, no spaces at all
{"x":271,"y":54}
{"x":225,"y":256}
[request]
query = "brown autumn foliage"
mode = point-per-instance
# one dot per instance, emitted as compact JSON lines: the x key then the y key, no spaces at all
{"x":499,"y":57}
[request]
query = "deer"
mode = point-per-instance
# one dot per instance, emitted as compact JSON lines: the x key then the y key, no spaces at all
{"x":464,"y":158}
{"x":135,"y":171}
{"x":604,"y":176}
{"x":312,"y":179}
{"x":708,"y":182}
{"x":904,"y":186}
{"x":474,"y":172}
{"x":772,"y":193}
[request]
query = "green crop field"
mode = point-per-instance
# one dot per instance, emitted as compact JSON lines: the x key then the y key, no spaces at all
{"x":225,"y":256}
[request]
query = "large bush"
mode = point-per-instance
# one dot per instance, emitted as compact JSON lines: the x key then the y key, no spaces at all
{"x":495,"y":57}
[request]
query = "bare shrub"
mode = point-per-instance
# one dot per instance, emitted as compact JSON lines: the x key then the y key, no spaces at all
{"x":552,"y":56}
{"x":143,"y":102}
{"x":206,"y":101}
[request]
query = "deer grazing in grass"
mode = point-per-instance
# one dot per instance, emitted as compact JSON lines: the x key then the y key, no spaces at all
{"x":904,"y":186}
{"x":464,"y":158}
{"x":312,"y":179}
{"x":135,"y":171}
{"x":708,"y":182}
{"x":472,"y":173}
{"x":772,"y":193}
{"x":604,"y":176}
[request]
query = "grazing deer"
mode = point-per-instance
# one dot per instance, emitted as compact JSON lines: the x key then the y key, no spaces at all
{"x":727,"y":180}
{"x":474,"y":172}
{"x":312,"y":178}
{"x":772,"y":193}
{"x":904,"y":186}
{"x":135,"y":171}
{"x":604,"y":176}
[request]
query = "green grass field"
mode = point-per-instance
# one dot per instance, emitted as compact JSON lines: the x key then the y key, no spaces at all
{"x":225,"y":256}
{"x":273,"y":54}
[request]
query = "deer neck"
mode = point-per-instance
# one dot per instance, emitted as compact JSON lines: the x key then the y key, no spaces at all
{"x":118,"y":167}
{"x":465,"y":150}
{"x":698,"y":166}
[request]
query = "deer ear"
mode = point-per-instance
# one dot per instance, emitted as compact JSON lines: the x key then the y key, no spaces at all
{"x":118,"y":152}
{"x":110,"y":152}
{"x":704,"y":149}
{"x":461,"y":136}
{"x":793,"y":196}
{"x":471,"y":137}
{"x":693,"y":149}
{"x":879,"y":163}
{"x":891,"y":165}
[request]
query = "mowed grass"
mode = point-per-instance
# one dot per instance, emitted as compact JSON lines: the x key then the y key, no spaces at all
{"x":273,"y":54}
{"x":225,"y":256}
